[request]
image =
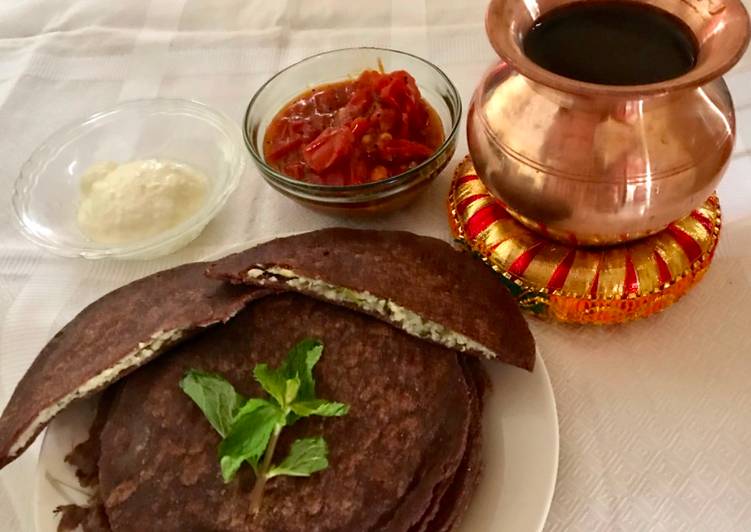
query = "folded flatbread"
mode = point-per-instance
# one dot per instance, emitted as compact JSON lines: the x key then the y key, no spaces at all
{"x":111,"y":337}
{"x":419,"y":284}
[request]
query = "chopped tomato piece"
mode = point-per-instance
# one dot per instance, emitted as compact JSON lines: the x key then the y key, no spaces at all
{"x":332,"y":145}
{"x":394,"y":94}
{"x":280,"y":149}
{"x":360,"y":126}
{"x":388,"y":119}
{"x":360,"y":101}
{"x":358,"y":168}
{"x":296,"y":170}
{"x":401,"y":149}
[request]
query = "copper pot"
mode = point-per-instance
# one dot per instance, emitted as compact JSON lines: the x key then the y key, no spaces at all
{"x":602,"y":164}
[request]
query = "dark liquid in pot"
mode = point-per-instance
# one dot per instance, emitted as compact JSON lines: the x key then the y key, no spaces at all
{"x":611,"y":43}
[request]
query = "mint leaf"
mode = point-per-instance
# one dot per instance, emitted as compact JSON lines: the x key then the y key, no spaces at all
{"x":282,"y":389}
{"x":215,"y":396}
{"x":230,"y":466}
{"x":273,"y":381}
{"x":300,"y":362}
{"x":319,"y":407}
{"x":248,"y":436}
{"x":292,"y":388}
{"x":306,"y":456}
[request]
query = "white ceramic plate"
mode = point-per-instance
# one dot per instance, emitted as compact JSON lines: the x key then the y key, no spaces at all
{"x":520,"y":454}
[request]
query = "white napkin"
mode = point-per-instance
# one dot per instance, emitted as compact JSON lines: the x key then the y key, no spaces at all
{"x":655,"y":423}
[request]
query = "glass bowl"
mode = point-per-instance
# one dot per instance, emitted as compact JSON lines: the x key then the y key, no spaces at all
{"x":338,"y":65}
{"x":46,"y":194}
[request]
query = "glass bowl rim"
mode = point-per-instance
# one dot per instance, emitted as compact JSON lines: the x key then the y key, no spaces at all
{"x":28,"y":174}
{"x":297,"y":184}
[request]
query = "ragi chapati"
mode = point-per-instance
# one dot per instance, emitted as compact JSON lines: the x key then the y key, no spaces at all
{"x":453,"y":501}
{"x":109,"y":338}
{"x":417,"y":283}
{"x":405,"y":434}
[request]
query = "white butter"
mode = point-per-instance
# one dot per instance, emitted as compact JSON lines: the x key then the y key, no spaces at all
{"x":139,"y":199}
{"x":410,"y":322}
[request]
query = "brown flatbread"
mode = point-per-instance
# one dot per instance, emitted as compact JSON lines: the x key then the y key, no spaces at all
{"x":108,"y":339}
{"x":417,"y":283}
{"x":88,"y":519}
{"x":85,"y":456}
{"x":455,"y":499}
{"x":85,"y":459}
{"x":405,"y":434}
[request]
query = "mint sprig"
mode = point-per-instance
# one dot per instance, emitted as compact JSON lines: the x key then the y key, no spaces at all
{"x":217,"y":398}
{"x":250,"y":428}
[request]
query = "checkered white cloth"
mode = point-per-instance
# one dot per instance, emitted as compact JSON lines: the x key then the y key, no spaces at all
{"x":655,"y":416}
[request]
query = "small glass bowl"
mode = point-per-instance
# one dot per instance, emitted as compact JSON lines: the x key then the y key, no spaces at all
{"x":46,"y":194}
{"x":338,"y":65}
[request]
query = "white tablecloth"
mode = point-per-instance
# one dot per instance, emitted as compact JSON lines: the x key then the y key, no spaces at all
{"x":655,"y":416}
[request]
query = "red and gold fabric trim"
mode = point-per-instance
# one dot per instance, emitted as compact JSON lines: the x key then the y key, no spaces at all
{"x":576,"y":284}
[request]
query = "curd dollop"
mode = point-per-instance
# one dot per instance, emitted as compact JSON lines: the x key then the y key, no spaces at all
{"x":133,"y":201}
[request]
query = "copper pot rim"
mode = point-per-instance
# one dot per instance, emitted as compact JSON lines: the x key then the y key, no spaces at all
{"x":734,"y":43}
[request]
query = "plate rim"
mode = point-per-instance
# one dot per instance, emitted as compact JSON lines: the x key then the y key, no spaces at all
{"x":540,"y":361}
